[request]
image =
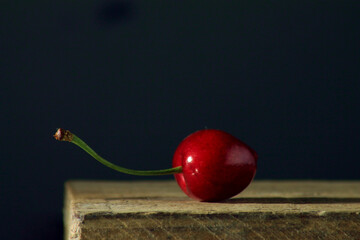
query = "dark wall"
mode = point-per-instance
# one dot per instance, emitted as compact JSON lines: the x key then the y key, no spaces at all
{"x":133,"y":78}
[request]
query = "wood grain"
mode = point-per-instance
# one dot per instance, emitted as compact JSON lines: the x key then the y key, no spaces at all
{"x":159,"y":210}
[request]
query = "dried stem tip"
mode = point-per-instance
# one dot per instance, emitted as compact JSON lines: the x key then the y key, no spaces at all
{"x":63,"y":135}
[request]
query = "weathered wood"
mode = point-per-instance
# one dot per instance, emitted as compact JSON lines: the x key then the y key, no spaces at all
{"x":159,"y":210}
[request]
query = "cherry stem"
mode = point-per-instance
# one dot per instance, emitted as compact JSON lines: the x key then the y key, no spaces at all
{"x":66,"y":135}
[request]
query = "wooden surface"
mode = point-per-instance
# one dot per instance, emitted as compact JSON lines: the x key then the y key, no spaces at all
{"x":160,"y":210}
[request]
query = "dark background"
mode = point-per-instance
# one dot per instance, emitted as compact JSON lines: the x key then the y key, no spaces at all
{"x":133,"y":78}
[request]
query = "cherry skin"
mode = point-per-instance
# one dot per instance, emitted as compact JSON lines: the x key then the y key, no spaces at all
{"x":215,"y":165}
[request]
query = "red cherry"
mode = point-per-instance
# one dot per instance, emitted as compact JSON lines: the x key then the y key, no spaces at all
{"x":209,"y":165}
{"x":215,"y":165}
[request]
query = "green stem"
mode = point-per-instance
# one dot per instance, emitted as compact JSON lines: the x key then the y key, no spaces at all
{"x":66,"y":135}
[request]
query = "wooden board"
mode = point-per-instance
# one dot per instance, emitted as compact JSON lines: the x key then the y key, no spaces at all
{"x":160,"y":210}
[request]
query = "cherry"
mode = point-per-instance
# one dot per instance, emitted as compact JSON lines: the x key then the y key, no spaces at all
{"x":215,"y":165}
{"x":209,"y":165}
